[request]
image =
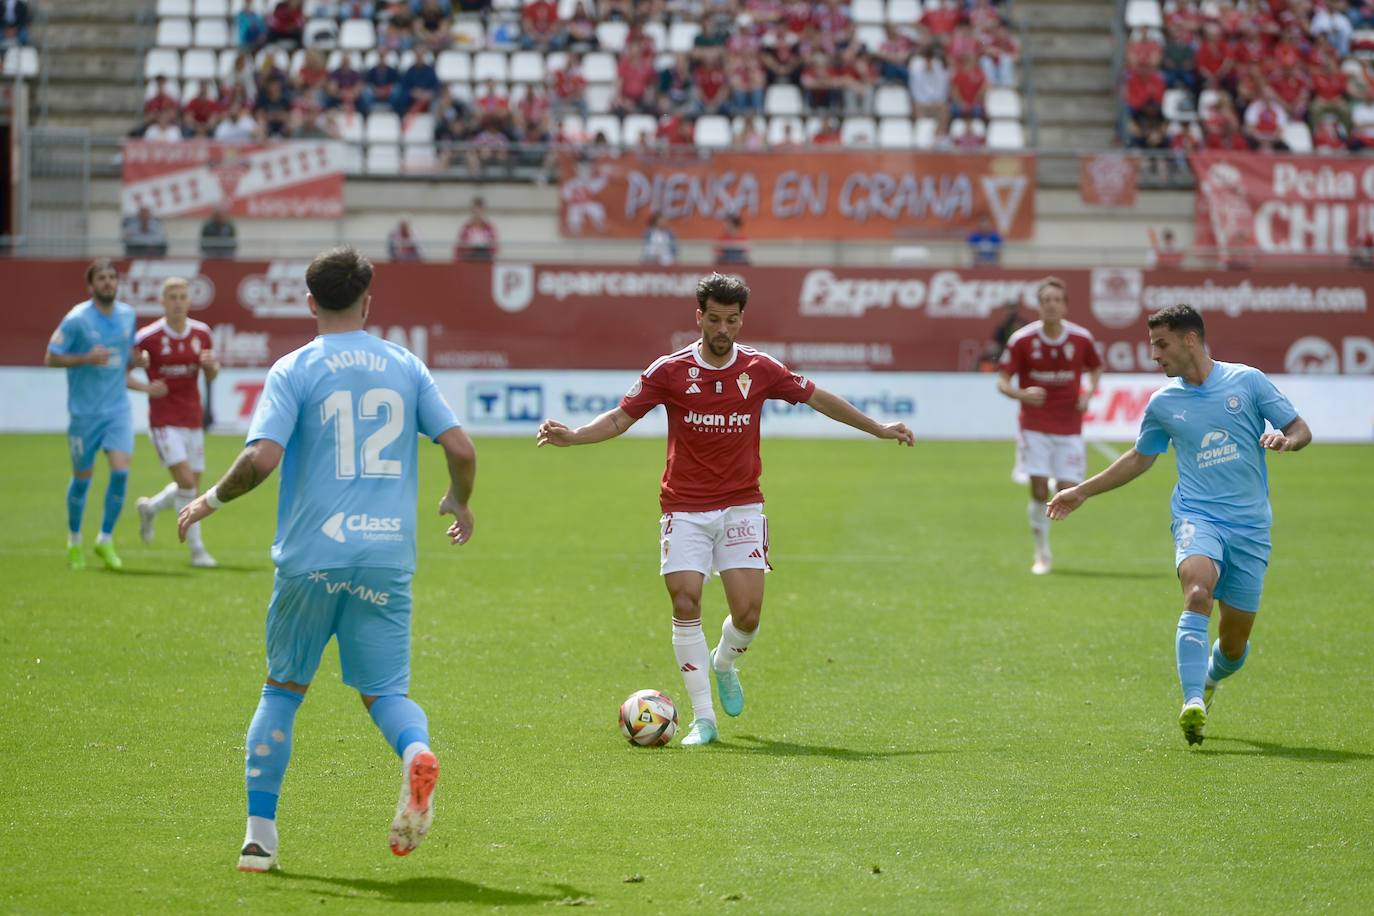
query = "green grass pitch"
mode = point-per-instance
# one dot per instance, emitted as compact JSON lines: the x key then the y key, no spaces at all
{"x":929,"y":728}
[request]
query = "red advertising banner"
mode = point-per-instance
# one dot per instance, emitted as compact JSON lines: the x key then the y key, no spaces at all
{"x":299,"y":179}
{"x":779,"y":195}
{"x":1271,"y":206}
{"x":596,"y":316}
{"x":1107,"y":179}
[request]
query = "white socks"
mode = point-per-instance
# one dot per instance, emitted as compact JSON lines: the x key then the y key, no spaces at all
{"x":689,"y":646}
{"x":163,"y":499}
{"x":183,"y":498}
{"x":1040,"y":526}
{"x":263,"y":832}
{"x":733,"y":644}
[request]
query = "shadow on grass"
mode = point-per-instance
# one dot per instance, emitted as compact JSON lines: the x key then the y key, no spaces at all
{"x":749,"y":744}
{"x":149,"y":573}
{"x":1269,"y":749}
{"x":234,"y":568}
{"x":433,"y":889}
{"x":1104,"y":574}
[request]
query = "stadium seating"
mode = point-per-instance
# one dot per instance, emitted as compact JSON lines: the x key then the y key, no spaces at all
{"x":196,"y":42}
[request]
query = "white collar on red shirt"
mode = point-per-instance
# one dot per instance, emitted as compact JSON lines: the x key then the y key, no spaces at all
{"x":696,"y":354}
{"x":1053,"y":341}
{"x":166,"y":329}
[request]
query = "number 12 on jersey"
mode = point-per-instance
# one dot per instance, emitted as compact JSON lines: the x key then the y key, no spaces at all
{"x":339,"y":408}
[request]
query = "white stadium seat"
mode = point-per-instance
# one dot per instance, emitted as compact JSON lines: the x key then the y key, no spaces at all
{"x":1178,"y":106}
{"x":170,"y":8}
{"x":892,"y":102}
{"x":1004,"y":134}
{"x":923,"y":135}
{"x":468,"y":34}
{"x":868,"y":12}
{"x":611,"y":35}
{"x":1003,"y":103}
{"x":489,"y":65}
{"x":599,"y":67}
{"x":780,"y":127}
{"x":357,"y":35}
{"x":21,"y":61}
{"x":682,"y":36}
{"x":573,"y":128}
{"x":903,"y":12}
{"x":599,"y":97}
{"x":322,"y":33}
{"x":418,"y":157}
{"x":713,"y":131}
{"x":418,"y":128}
{"x":859,"y":132}
{"x":637,"y":126}
{"x":527,"y":67}
{"x":895,"y":133}
{"x":212,"y":33}
{"x":174,"y":33}
{"x":453,"y":67}
{"x":218,"y":8}
{"x":352,"y":126}
{"x":1297,"y":137}
{"x":871,"y":37}
{"x":383,"y":127}
{"x":1144,"y":14}
{"x":782,"y":99}
{"x":162,"y":62}
{"x":605,"y":124}
{"x":657,"y":33}
{"x":199,"y":64}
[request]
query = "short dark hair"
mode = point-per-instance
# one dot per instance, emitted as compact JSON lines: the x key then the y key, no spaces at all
{"x":1048,"y":282}
{"x":338,"y":278}
{"x":97,"y":266}
{"x":1178,"y":318}
{"x":723,"y":289}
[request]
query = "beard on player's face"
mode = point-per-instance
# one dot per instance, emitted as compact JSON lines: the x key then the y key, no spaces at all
{"x":718,"y":344}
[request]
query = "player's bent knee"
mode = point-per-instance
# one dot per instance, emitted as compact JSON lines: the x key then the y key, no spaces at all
{"x":1198,"y":598}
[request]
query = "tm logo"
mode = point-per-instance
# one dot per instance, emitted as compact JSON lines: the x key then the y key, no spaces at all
{"x":333,"y":527}
{"x":505,"y":403}
{"x":1215,"y":437}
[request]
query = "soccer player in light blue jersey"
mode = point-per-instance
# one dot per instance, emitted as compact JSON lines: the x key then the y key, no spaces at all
{"x":1215,"y":416}
{"x":342,"y":415}
{"x":94,"y":343}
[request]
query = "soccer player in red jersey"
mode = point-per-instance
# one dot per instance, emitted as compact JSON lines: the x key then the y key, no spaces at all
{"x":714,"y":391}
{"x":179,"y":348}
{"x":1048,"y":359}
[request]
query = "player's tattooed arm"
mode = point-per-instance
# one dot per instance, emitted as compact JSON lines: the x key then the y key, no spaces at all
{"x":607,"y":426}
{"x":253,"y":465}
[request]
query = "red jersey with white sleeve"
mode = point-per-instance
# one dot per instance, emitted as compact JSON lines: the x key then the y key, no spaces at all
{"x":713,"y":423}
{"x":1055,"y":364}
{"x":175,"y":359}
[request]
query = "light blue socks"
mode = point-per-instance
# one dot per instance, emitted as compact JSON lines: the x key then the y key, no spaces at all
{"x":1190,"y":644}
{"x":269,"y":748}
{"x":114,"y":501}
{"x":76,"y":503}
{"x":401,"y":721}
{"x":1219,"y":666}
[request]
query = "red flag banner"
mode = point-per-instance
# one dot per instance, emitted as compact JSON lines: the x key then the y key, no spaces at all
{"x":1256,"y":205}
{"x":778,"y":195}
{"x":275,"y":181}
{"x":1107,"y":179}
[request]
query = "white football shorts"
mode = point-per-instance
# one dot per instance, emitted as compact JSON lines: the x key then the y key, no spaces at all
{"x":176,"y":444}
{"x":1065,"y":458}
{"x":707,"y":542}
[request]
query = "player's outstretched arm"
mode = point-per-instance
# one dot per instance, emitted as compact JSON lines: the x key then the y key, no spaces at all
{"x":154,"y":389}
{"x":837,"y":408}
{"x":607,"y":426}
{"x":462,"y":474}
{"x":1295,"y":436}
{"x":1121,"y":472}
{"x":254,"y":465}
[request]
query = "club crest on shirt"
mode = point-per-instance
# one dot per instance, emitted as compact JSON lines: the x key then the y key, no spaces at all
{"x":744,"y":381}
{"x":635,"y":389}
{"x":1234,"y":404}
{"x":693,"y":372}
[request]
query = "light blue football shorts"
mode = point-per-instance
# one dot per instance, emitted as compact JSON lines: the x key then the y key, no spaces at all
{"x":367,"y":608}
{"x":88,"y":436}
{"x":1241,"y":555}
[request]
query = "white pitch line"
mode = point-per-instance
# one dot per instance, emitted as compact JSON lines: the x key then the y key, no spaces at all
{"x":1105,"y":449}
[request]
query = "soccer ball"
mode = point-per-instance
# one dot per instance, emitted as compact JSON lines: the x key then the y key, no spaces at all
{"x":648,"y":718}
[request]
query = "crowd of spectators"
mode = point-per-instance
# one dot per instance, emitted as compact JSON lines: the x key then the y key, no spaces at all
{"x":1235,"y":74}
{"x":947,"y":59}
